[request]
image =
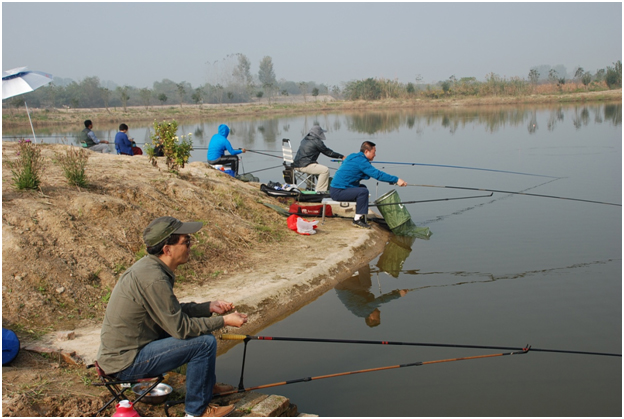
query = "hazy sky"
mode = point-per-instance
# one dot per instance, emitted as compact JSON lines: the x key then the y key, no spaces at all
{"x":140,"y":43}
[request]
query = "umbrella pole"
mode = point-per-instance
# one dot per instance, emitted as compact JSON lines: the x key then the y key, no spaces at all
{"x":29,"y":120}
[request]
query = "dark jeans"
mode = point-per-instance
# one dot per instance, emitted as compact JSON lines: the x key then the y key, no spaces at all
{"x":359,"y":195}
{"x":227,"y":160}
{"x":160,"y":356}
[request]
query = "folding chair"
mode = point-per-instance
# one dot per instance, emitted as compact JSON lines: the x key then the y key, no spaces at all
{"x":119,"y":387}
{"x":291,"y":174}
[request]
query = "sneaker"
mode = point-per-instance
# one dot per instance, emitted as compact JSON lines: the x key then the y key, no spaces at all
{"x":216,"y":411}
{"x":361,"y":223}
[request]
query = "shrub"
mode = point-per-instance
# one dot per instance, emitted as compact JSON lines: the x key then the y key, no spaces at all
{"x":614,"y":75}
{"x":176,"y":150}
{"x":74,"y":163}
{"x":28,"y":167}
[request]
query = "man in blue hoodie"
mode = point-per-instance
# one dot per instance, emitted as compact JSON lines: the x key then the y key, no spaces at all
{"x":346,"y":187}
{"x":216,"y":149}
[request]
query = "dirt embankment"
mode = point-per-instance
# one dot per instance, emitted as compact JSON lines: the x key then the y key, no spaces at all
{"x":64,"y":248}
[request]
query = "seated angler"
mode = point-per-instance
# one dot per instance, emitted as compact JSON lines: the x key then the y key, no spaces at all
{"x":346,"y":187}
{"x":219,"y":143}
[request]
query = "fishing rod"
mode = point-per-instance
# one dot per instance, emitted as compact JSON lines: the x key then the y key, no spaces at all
{"x":430,"y":200}
{"x":261,"y":170}
{"x":465,"y":167}
{"x":383,"y":342}
{"x":242,"y":389}
{"x":516,"y":193}
{"x":341,"y":374}
{"x":264,"y":154}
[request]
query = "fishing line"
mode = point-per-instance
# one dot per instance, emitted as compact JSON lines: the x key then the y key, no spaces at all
{"x":430,"y":200}
{"x":465,"y":167}
{"x":516,"y":193}
{"x":383,"y":342}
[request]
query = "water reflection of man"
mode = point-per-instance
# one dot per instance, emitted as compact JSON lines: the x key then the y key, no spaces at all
{"x":355,"y":294}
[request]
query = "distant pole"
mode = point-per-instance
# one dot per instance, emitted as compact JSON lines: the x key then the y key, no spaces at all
{"x":31,"y":125}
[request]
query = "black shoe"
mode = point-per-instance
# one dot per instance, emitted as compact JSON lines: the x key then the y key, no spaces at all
{"x":361,"y":223}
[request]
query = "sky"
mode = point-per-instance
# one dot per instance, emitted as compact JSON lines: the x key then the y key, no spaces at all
{"x":137,"y":44}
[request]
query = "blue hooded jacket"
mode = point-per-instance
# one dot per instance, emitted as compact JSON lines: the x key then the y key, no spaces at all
{"x":357,"y":167}
{"x":219,"y":143}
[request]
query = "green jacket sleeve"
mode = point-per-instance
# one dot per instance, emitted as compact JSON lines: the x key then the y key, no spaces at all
{"x":166,"y":311}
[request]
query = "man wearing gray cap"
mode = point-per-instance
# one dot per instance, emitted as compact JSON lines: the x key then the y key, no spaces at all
{"x":147,"y":332}
{"x":310,"y":148}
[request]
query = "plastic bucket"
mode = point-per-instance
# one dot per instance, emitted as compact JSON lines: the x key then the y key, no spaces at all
{"x":230,"y":172}
{"x":395,"y":214}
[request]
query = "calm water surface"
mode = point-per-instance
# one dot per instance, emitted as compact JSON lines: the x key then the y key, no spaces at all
{"x":508,"y":270}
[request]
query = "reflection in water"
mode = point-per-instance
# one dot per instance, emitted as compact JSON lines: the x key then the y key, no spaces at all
{"x":394,"y":255}
{"x":355,"y":294}
{"x":493,"y":118}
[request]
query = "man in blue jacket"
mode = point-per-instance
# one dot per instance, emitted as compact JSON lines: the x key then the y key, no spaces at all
{"x":346,"y":187}
{"x":123,"y":145}
{"x":216,"y":149}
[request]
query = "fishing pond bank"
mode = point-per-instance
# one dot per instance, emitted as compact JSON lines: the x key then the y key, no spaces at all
{"x":64,"y":248}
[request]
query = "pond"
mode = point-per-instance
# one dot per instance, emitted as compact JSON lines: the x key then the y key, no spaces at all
{"x":507,"y":270}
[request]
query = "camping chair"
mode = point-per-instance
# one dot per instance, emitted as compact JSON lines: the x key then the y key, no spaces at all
{"x":119,"y":387}
{"x":291,"y":174}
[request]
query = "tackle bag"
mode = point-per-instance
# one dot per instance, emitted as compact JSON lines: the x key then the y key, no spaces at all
{"x":10,"y":346}
{"x":310,"y":210}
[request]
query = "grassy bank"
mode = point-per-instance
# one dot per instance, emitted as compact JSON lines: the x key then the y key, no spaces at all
{"x":12,"y":118}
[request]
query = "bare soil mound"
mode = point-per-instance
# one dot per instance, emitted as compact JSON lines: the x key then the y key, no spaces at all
{"x":64,"y":248}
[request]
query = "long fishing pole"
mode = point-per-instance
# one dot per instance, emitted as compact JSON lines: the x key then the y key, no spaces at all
{"x":515,"y":193}
{"x":340,"y":374}
{"x":383,"y":342}
{"x":430,"y":200}
{"x":264,"y":154}
{"x":261,"y":170}
{"x":465,"y":167}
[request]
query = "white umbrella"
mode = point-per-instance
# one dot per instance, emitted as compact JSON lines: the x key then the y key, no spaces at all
{"x":19,"y":81}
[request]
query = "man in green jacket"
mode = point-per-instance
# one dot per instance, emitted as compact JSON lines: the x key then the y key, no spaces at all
{"x":147,"y":332}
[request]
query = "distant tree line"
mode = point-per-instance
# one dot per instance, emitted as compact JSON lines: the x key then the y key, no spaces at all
{"x":493,"y":85}
{"x":233,"y":83}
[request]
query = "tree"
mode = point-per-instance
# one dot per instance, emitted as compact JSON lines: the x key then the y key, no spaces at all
{"x":534,"y":75}
{"x":163,"y":98}
{"x":242,"y":74}
{"x":181,"y":92}
{"x":123,"y":96}
{"x":266,"y":75}
{"x":303,"y":88}
{"x":586,"y":78}
{"x":614,"y":75}
{"x":578,"y":74}
{"x":197,"y":96}
{"x":553,"y":76}
{"x":315,"y":92}
{"x":105,"y":93}
{"x":146,"y":96}
{"x":89,"y":92}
